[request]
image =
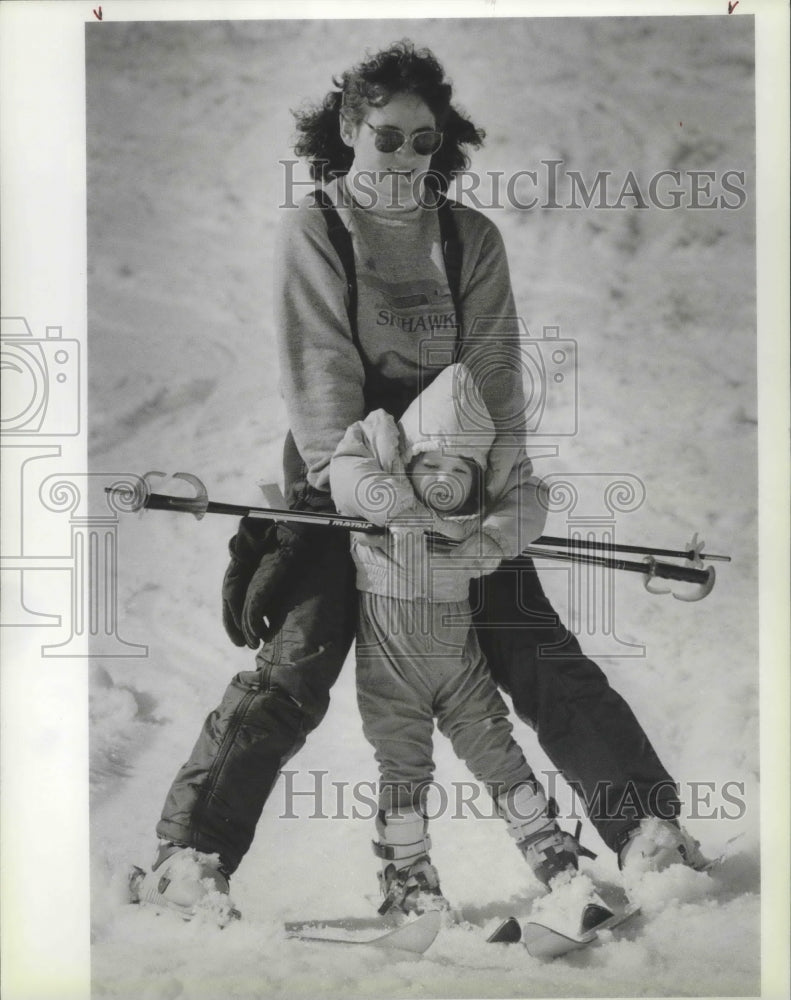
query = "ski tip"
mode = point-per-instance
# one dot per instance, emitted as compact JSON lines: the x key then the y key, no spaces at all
{"x":593,"y":915}
{"x":508,"y":932}
{"x":431,"y":920}
{"x":414,"y":936}
{"x":547,"y":943}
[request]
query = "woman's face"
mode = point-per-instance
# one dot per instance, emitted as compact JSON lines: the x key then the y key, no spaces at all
{"x":388,"y":181}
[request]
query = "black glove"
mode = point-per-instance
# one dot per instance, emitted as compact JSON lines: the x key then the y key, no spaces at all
{"x":262,"y":554}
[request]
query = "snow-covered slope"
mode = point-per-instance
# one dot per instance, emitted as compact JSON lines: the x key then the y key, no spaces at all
{"x":187,"y":123}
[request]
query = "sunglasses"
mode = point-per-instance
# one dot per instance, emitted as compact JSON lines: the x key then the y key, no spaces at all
{"x":389,"y":139}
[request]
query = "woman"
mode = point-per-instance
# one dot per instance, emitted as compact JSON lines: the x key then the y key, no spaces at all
{"x":380,"y":284}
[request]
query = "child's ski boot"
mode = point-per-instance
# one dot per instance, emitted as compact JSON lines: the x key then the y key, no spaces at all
{"x":413,"y":889}
{"x":408,"y":881}
{"x":187,"y":882}
{"x":531,"y":822}
{"x":553,"y":856}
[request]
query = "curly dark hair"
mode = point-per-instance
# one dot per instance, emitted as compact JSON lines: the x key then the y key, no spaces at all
{"x":398,"y":69}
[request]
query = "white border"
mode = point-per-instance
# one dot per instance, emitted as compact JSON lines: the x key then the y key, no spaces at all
{"x":44,"y":843}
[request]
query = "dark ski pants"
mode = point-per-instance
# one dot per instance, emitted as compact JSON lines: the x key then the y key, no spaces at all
{"x":586,"y":729}
{"x":265,"y":715}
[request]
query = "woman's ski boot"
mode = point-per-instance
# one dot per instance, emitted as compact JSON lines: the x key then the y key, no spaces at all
{"x":187,"y":882}
{"x":655,"y":844}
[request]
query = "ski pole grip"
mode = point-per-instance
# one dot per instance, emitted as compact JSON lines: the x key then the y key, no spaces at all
{"x":187,"y":505}
{"x":669,"y":571}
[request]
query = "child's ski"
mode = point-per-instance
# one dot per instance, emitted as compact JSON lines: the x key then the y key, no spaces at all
{"x":543,"y":941}
{"x":509,"y":932}
{"x":414,"y":936}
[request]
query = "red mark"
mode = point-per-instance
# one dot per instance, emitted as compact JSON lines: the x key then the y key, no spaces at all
{"x":98,"y":13}
{"x":732,"y":6}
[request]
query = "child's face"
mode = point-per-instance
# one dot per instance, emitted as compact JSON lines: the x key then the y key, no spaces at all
{"x":442,"y":482}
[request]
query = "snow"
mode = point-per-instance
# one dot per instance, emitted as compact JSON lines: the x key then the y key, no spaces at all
{"x":187,"y":122}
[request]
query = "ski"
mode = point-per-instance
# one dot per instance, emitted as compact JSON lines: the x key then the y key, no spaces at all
{"x":414,"y":936}
{"x":509,"y":932}
{"x":543,"y":941}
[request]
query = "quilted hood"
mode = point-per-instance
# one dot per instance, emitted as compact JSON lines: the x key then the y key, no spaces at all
{"x":449,"y":415}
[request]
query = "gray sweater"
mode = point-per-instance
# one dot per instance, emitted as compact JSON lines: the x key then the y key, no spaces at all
{"x":406,"y":321}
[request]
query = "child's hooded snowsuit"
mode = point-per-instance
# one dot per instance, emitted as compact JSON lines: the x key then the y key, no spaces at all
{"x":417,"y":654}
{"x":369,"y":480}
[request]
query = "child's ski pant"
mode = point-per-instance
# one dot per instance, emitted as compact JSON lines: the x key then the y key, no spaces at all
{"x":417,"y":661}
{"x":586,"y":729}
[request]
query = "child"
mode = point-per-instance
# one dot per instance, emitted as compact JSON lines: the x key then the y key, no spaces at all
{"x":418,"y":657}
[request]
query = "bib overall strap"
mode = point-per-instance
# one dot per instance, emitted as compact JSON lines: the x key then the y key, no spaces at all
{"x":380,"y":391}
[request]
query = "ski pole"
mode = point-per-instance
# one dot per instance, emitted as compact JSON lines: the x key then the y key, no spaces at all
{"x":650,"y":567}
{"x":691,"y":552}
{"x":199,"y":505}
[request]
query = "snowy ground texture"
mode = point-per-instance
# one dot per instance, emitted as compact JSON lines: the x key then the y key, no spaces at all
{"x":187,"y":123}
